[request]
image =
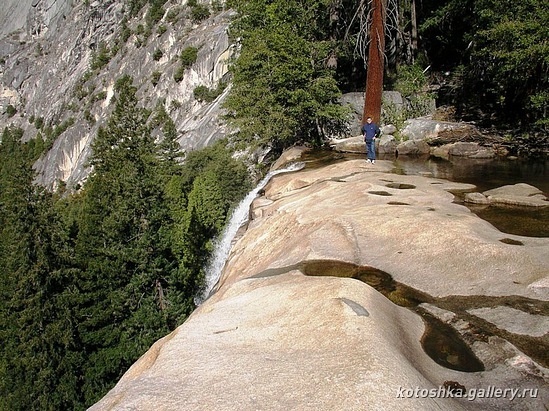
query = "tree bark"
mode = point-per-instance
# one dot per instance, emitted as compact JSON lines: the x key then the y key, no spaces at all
{"x":376,"y":63}
{"x":414,"y":29}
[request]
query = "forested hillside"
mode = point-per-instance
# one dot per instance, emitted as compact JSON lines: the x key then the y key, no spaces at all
{"x":90,"y":280}
{"x":91,"y":276}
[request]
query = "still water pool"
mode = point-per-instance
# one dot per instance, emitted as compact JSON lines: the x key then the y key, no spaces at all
{"x":485,"y":174}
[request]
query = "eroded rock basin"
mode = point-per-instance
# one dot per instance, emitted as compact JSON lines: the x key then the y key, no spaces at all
{"x":443,"y":343}
{"x":484,"y":174}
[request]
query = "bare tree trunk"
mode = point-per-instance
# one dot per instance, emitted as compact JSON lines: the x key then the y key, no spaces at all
{"x":376,"y":63}
{"x":334,"y":22}
{"x":414,"y":29}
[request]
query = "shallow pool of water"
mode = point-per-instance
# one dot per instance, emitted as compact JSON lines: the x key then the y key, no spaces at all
{"x":485,"y":174}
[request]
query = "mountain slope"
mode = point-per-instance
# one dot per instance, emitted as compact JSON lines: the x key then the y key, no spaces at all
{"x":59,"y":62}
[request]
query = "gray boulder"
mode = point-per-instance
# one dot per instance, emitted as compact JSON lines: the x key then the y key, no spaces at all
{"x":413,"y":147}
{"x":520,"y":194}
{"x":349,"y":145}
{"x":434,"y":131}
{"x":387,"y":144}
{"x":470,"y":150}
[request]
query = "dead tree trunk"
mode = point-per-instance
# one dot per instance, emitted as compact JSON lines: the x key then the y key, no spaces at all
{"x":376,"y":62}
{"x":414,"y":29}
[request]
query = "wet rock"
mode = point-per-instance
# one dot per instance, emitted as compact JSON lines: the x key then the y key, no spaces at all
{"x":476,"y":198}
{"x":520,"y":194}
{"x":289,"y":156}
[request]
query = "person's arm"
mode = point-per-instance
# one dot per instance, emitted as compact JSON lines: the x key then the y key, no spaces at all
{"x":378,"y":132}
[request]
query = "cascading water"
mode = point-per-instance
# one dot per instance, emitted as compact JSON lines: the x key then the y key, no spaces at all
{"x":223,"y":244}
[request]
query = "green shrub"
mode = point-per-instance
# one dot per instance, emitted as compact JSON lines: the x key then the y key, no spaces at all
{"x":157,"y":55}
{"x":155,"y":14}
{"x":161,"y":29}
{"x":217,"y":5}
{"x":155,"y":78}
{"x":175,"y":105}
{"x":39,"y":123}
{"x":188,"y":56}
{"x":179,"y":74}
{"x":173,"y":15}
{"x":102,"y":95}
{"x":10,"y":110}
{"x":100,"y":57}
{"x":125,"y":31}
{"x":203,"y":93}
{"x":199,"y":13}
{"x":412,"y":83}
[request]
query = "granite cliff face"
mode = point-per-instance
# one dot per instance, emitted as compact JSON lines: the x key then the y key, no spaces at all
{"x":59,"y":61}
{"x":321,"y":302}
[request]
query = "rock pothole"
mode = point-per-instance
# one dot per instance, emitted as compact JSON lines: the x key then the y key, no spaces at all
{"x":447,"y":340}
{"x":401,"y":186}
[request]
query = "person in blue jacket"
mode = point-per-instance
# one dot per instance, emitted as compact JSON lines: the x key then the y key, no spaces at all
{"x":370,"y":131}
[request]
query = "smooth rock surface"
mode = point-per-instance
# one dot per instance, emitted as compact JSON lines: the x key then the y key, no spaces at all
{"x":271,"y":338}
{"x":286,"y":343}
{"x":515,"y":321}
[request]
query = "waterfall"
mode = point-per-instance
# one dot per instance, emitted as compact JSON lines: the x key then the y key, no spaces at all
{"x":222,"y":245}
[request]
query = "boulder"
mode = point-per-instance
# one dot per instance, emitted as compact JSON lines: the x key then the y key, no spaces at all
{"x":476,"y":198}
{"x":291,"y":155}
{"x":438,"y":132}
{"x":470,"y":150}
{"x":349,"y":145}
{"x":412,"y":147}
{"x":520,"y":194}
{"x":387,"y":144}
{"x":388,"y":129}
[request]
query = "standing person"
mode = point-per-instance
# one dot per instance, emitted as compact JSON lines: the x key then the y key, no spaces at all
{"x":370,"y":131}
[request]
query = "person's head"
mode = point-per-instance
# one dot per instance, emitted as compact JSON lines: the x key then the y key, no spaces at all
{"x":369,"y":120}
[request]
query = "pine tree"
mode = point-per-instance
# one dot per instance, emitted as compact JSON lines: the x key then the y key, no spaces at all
{"x":39,"y":359}
{"x":122,"y":245}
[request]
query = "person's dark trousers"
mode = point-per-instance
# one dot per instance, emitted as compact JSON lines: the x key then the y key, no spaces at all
{"x":371,"y":150}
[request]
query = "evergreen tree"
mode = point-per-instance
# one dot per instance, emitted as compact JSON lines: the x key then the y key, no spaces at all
{"x":40,"y":357}
{"x":283,"y":91}
{"x":121,"y":245}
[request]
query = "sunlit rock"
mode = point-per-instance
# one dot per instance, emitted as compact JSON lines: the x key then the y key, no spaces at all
{"x":273,"y":338}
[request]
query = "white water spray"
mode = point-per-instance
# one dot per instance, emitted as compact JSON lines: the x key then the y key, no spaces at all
{"x":222,"y":245}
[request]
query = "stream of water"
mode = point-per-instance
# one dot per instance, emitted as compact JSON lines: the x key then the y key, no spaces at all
{"x":223,"y":244}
